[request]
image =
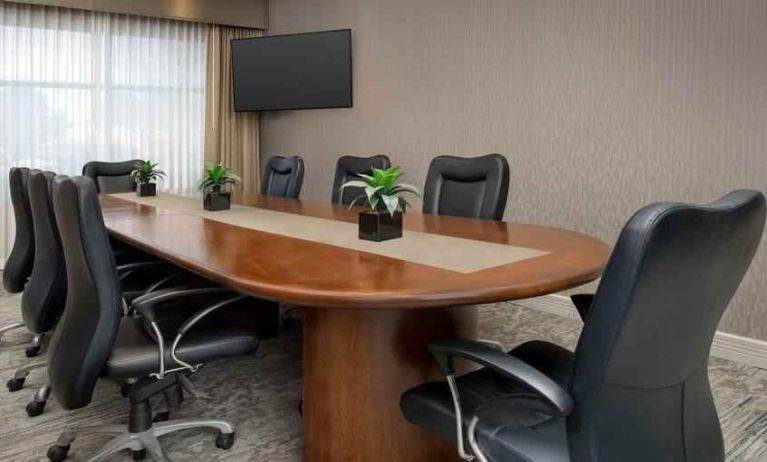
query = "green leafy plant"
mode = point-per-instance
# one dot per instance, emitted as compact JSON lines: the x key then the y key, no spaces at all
{"x":382,"y":190}
{"x":217,"y":178}
{"x":146,"y":172}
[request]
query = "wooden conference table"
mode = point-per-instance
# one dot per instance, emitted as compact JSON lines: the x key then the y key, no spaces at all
{"x":369,"y":314}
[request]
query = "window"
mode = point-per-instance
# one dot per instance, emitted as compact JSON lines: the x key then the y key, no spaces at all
{"x":77,"y":86}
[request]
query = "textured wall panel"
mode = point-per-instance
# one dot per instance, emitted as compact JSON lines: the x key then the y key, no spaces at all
{"x":601,"y":106}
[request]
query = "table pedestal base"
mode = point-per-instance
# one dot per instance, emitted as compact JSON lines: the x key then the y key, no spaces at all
{"x":356,"y":364}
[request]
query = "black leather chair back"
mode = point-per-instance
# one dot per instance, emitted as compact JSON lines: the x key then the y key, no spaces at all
{"x":86,"y":332}
{"x":18,"y":266}
{"x":467,"y":187}
{"x":111,"y":177}
{"x":640,"y":382}
{"x":283,"y":177}
{"x":45,"y":294}
{"x":347,"y":169}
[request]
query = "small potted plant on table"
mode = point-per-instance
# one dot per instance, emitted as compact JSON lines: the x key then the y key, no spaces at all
{"x":215,"y":187}
{"x":383,"y":195}
{"x":146,"y":175}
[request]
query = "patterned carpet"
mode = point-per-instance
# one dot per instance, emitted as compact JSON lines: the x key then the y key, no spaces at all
{"x":259,"y":395}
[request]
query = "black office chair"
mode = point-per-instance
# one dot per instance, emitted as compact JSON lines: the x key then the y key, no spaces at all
{"x":112,"y":177}
{"x":347,"y":169}
{"x":636,"y":388}
{"x":283,"y":177}
{"x":93,"y":339}
{"x":19,"y":263}
{"x":474,"y":187}
{"x":44,"y":297}
{"x":45,"y":293}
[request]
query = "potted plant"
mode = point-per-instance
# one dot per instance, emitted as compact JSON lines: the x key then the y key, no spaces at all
{"x":215,"y":187}
{"x":146,"y":175}
{"x":383,"y":195}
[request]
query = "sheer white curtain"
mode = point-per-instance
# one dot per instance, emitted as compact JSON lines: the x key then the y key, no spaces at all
{"x":77,"y":86}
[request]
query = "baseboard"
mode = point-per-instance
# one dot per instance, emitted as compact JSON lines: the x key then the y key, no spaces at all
{"x":554,"y":304}
{"x":744,"y":350}
{"x":740,"y":349}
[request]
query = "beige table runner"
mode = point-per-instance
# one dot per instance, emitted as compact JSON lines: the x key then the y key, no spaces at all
{"x":445,"y":252}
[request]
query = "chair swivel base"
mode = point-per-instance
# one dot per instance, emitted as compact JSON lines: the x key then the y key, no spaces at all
{"x":37,"y":405}
{"x":11,"y":327}
{"x":173,"y":400}
{"x":16,"y":383}
{"x":36,"y":342}
{"x":142,"y":432}
{"x":140,"y":443}
{"x":37,"y":345}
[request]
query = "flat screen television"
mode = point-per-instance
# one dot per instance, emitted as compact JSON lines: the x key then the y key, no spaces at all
{"x":298,"y":71}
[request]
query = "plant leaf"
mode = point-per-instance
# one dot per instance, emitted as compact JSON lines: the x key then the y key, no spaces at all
{"x":392,"y":203}
{"x":354,"y":201}
{"x":404,"y":187}
{"x":216,"y":177}
{"x":371,"y":192}
{"x":354,"y":184}
{"x":404,"y":204}
{"x":377,"y":173}
{"x":368,"y":179}
{"x":146,"y":171}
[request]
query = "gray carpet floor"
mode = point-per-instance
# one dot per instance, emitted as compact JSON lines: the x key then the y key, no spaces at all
{"x":259,"y":395}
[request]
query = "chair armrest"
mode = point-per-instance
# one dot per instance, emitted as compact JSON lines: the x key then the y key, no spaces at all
{"x":198,"y":316}
{"x":513,"y":368}
{"x":136,"y":265}
{"x":156,"y":285}
{"x":145,"y":304}
{"x":582,"y":303}
{"x":192,"y":321}
{"x":126,"y":269}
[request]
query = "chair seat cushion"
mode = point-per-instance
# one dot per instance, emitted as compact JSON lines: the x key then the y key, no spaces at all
{"x":518,"y":428}
{"x":136,"y":355}
{"x":430,"y":405}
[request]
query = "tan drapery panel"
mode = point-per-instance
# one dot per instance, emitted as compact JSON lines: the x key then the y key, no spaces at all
{"x":230,"y":138}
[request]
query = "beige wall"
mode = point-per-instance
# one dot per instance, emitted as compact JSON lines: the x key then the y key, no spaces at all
{"x":244,"y":13}
{"x":601,"y":106}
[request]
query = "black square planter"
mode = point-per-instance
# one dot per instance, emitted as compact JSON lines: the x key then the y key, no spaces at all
{"x":380,"y":226}
{"x":213,"y":202}
{"x":146,"y":189}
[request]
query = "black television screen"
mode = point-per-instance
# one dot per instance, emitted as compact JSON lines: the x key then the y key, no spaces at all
{"x":299,"y":71}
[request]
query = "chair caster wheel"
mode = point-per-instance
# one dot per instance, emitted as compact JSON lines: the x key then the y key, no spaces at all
{"x":139,"y":455}
{"x":15,"y":384}
{"x":35,"y":408}
{"x":224,"y":440}
{"x":31,"y":352}
{"x":161,"y":417}
{"x":58,"y":453}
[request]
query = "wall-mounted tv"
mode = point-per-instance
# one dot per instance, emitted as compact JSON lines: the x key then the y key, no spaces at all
{"x":298,"y":71}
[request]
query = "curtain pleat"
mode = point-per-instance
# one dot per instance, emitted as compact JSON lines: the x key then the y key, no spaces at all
{"x":231,"y":138}
{"x":77,"y":86}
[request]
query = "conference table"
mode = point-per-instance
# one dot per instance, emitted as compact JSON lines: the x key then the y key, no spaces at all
{"x":369,"y":308}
